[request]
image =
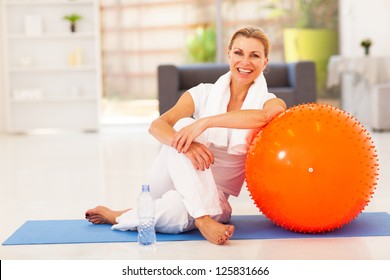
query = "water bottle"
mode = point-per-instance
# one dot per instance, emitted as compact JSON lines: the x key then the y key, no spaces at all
{"x":146,"y":232}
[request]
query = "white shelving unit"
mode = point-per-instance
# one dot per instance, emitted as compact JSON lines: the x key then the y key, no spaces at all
{"x":52,"y":75}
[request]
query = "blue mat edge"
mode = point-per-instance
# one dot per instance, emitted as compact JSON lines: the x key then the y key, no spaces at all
{"x":264,"y":224}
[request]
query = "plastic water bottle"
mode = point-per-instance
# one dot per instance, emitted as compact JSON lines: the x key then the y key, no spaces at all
{"x":146,"y":212}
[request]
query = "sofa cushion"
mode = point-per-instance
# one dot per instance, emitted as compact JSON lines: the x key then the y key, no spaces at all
{"x":285,"y":93}
{"x":294,"y":82}
{"x":277,"y":76}
{"x":193,"y":75}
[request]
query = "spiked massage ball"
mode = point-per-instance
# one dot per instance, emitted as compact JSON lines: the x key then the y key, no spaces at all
{"x":312,"y":169}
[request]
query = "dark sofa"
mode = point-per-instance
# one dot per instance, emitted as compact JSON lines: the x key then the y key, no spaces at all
{"x":295,"y":82}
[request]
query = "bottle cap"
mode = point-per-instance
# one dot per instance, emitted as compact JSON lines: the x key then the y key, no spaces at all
{"x":145,"y":188}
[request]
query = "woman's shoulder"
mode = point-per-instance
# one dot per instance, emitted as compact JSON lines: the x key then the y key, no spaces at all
{"x":200,"y":95}
{"x":202,"y":87}
{"x":201,"y":91}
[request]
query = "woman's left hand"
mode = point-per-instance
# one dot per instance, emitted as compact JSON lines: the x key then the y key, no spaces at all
{"x":184,"y":137}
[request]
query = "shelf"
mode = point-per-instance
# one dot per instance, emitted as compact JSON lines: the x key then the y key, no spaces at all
{"x":54,"y":68}
{"x":52,"y":79}
{"x":59,"y":99}
{"x":146,"y":4}
{"x":47,"y":2}
{"x":52,"y":35}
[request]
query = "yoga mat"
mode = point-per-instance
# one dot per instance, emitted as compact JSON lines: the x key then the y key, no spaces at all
{"x":246,"y":227}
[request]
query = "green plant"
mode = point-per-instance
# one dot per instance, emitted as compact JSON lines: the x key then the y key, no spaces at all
{"x":202,"y":46}
{"x":317,"y":14}
{"x":73,"y":18}
{"x":305,"y":13}
{"x":366,"y":44}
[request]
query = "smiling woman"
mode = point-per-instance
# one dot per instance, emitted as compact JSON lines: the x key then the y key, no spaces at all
{"x":202,"y":160}
{"x":247,"y":57}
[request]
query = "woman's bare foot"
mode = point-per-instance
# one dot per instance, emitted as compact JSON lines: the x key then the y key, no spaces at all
{"x":103,"y":215}
{"x":213,"y":231}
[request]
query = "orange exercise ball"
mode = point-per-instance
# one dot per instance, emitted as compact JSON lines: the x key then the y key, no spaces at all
{"x":312,"y":168}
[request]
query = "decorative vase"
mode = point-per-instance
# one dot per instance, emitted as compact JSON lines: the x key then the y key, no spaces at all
{"x":367,"y":50}
{"x":315,"y":44}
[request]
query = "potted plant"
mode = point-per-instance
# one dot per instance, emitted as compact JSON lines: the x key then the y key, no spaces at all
{"x":202,"y":46}
{"x":72,"y":18}
{"x":312,"y":33}
{"x":366,"y":44}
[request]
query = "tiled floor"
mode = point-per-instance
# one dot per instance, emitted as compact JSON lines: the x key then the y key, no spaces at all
{"x":59,"y":176}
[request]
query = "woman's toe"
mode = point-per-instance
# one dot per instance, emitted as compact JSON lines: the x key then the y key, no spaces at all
{"x":229,"y":231}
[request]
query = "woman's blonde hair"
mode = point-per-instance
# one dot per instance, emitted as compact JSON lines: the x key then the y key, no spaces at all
{"x":252,"y":32}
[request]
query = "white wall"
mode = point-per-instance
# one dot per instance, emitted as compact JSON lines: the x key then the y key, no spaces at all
{"x":364,"y":19}
{"x":2,"y":101}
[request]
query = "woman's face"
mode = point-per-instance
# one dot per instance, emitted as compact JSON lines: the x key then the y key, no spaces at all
{"x":246,"y":59}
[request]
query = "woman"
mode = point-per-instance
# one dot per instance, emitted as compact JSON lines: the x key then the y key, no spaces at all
{"x":202,"y":160}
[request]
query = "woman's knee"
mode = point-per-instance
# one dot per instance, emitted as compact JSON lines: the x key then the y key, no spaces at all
{"x":185,"y":122}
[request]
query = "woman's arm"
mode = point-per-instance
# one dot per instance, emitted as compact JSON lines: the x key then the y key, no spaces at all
{"x":247,"y":119}
{"x":162,"y":127}
{"x":242,"y":119}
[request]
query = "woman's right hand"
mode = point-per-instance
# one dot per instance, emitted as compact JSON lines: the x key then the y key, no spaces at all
{"x":185,"y":136}
{"x":200,"y":156}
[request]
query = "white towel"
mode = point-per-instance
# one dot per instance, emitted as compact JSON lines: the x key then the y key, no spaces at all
{"x":217,"y":104}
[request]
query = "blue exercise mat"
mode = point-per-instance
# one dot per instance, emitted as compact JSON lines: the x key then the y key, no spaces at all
{"x":246,"y":227}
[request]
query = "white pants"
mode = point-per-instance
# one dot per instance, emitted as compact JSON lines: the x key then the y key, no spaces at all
{"x":181,"y":193}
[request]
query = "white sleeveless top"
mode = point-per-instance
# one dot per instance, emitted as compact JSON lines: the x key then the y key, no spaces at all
{"x":228,"y":169}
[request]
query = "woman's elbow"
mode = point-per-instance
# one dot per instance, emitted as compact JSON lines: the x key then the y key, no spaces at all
{"x":267,"y":115}
{"x":262,"y":118}
{"x":152,"y":127}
